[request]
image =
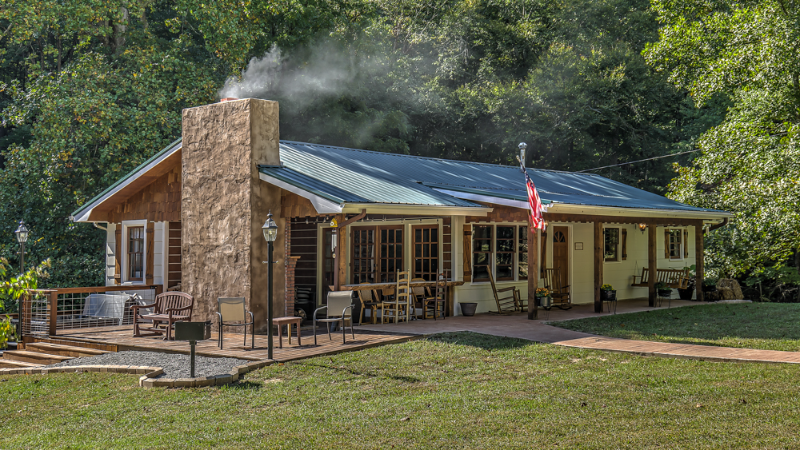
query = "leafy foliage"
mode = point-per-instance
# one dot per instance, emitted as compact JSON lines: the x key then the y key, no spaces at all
{"x":745,"y":53}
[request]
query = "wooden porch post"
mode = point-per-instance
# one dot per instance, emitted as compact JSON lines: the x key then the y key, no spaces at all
{"x":699,"y":259}
{"x":533,"y":272}
{"x":651,"y":264}
{"x":52,"y":312}
{"x":598,"y":265}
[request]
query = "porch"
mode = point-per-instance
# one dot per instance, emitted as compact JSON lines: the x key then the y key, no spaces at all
{"x":517,"y":325}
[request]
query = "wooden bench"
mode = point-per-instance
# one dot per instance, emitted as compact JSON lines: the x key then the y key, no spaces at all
{"x":674,"y":278}
{"x":169,"y":307}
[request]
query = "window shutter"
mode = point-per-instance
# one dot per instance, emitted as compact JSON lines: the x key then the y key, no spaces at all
{"x":544,"y":253}
{"x":624,"y":244}
{"x":467,"y":253}
{"x":685,"y":243}
{"x":149,"y":248}
{"x":666,"y":243}
{"x":118,"y":254}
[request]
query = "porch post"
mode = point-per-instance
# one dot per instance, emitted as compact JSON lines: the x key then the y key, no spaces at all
{"x":533,"y":272}
{"x":699,"y":259}
{"x":651,"y":264}
{"x":340,"y":265}
{"x":598,"y":265}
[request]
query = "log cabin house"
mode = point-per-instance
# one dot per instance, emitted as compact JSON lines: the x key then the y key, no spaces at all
{"x":192,"y":214}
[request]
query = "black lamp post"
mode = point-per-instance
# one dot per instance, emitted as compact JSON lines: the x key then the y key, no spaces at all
{"x":270,"y":230}
{"x":22,"y":238}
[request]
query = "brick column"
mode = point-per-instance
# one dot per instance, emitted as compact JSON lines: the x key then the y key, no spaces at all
{"x":291,"y":263}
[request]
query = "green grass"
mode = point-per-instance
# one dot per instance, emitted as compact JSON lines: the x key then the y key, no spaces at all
{"x":767,"y":326}
{"x":457,"y":390}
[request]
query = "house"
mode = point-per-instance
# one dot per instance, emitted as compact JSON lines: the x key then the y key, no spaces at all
{"x":192,"y":214}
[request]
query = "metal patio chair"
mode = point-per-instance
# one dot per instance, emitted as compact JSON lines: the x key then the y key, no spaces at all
{"x":232,"y":312}
{"x":336,"y":311}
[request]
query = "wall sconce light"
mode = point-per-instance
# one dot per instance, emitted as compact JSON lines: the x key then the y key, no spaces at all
{"x":642,"y":227}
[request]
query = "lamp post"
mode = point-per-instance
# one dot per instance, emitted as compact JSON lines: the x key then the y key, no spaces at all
{"x":22,"y":238}
{"x":270,"y":230}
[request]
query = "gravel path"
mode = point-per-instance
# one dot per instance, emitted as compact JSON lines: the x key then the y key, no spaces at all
{"x":174,"y":365}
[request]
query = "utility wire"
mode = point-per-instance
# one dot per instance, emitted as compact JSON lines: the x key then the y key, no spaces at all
{"x":641,"y":160}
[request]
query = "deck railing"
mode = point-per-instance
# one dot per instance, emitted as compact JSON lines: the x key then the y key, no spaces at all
{"x":44,"y":311}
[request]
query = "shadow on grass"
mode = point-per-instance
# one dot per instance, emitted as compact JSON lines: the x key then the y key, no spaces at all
{"x":481,"y":341}
{"x":737,"y":325}
{"x":243,"y":386}
{"x":364,"y":373}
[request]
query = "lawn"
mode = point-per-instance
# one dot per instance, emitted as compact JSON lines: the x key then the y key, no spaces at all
{"x":768,"y":326}
{"x":456,"y":390}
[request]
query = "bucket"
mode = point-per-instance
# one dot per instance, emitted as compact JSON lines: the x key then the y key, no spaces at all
{"x":468,"y":309}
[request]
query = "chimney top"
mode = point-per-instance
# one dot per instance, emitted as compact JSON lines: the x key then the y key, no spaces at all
{"x":228,"y":99}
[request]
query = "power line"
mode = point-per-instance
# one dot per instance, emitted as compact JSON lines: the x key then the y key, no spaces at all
{"x":641,"y":160}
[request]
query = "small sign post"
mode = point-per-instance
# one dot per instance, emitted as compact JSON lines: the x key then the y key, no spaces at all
{"x":192,"y":332}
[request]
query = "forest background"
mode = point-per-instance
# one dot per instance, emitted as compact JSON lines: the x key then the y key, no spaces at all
{"x":90,"y":88}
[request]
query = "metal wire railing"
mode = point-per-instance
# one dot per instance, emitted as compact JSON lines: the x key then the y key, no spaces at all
{"x":46,"y":310}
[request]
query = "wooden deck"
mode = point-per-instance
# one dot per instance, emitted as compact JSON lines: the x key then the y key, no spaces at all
{"x":120,"y":338}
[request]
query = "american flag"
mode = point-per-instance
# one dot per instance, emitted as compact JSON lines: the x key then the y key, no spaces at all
{"x":537,"y":219}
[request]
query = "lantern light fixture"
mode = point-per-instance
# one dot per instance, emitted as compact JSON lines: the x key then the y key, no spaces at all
{"x":642,"y":227}
{"x":270,"y":229}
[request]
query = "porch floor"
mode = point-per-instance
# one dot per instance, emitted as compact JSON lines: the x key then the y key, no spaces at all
{"x":517,"y":325}
{"x":121,"y":338}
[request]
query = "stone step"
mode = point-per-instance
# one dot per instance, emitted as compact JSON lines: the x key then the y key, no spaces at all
{"x":63,"y":350}
{"x":9,"y":364}
{"x":34,"y":357}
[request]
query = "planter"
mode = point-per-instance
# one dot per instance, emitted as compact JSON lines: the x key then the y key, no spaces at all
{"x":664,"y":292}
{"x":608,"y":296}
{"x":685,"y":294}
{"x":544,"y":302}
{"x":468,"y":309}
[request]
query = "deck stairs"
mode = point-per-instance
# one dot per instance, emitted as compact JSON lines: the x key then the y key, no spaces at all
{"x":43,"y":353}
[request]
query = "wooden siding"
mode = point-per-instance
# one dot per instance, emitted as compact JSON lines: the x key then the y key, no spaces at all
{"x":173,"y":243}
{"x":292,"y":205}
{"x":158,"y":201}
{"x":500,"y":214}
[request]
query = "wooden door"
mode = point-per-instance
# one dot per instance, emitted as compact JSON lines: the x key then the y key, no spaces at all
{"x":561,"y":253}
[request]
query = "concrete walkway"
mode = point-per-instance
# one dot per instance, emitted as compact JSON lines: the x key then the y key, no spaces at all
{"x":518,"y":326}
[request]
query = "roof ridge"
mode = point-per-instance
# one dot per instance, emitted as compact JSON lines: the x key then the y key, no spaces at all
{"x":477,"y":163}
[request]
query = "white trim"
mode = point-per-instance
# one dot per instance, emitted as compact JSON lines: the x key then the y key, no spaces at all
{"x":322,"y":205}
{"x":392,"y":208}
{"x":485,"y":198}
{"x":123,"y":264}
{"x":565,"y":208}
{"x":85,"y":216}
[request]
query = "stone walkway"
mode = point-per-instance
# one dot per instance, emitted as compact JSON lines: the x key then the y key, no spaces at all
{"x":518,"y":326}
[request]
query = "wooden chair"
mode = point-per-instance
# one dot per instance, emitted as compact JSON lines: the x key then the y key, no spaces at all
{"x":437,"y":302}
{"x":399,"y":308}
{"x":168,"y":308}
{"x":558,"y":289}
{"x":418,"y":295}
{"x":369,"y":299}
{"x":507,"y":304}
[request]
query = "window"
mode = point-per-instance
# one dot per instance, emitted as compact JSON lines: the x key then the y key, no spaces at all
{"x":481,"y":252}
{"x":377,"y":253}
{"x":675,"y":244}
{"x":426,"y":252}
{"x":611,"y":244}
{"x":503,"y":249}
{"x":522,"y":253}
{"x":504,"y":256}
{"x":135,"y":253}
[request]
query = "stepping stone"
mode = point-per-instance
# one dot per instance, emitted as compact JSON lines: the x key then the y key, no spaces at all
{"x":63,"y":350}
{"x":34,"y":357}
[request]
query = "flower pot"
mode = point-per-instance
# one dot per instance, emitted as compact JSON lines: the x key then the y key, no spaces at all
{"x":685,"y":294}
{"x":468,"y":309}
{"x":544,"y":302}
{"x":608,"y":296}
{"x":664,"y":292}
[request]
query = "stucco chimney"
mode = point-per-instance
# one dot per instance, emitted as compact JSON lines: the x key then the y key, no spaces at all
{"x":224,"y":204}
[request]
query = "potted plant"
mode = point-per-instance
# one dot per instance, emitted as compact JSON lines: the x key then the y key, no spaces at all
{"x":663,"y":289}
{"x":543,"y":298}
{"x":709,"y":285}
{"x":686,"y":294}
{"x":468,"y":308}
{"x":607,"y":293}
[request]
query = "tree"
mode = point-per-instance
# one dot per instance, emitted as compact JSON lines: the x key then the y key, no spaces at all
{"x":745,"y":53}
